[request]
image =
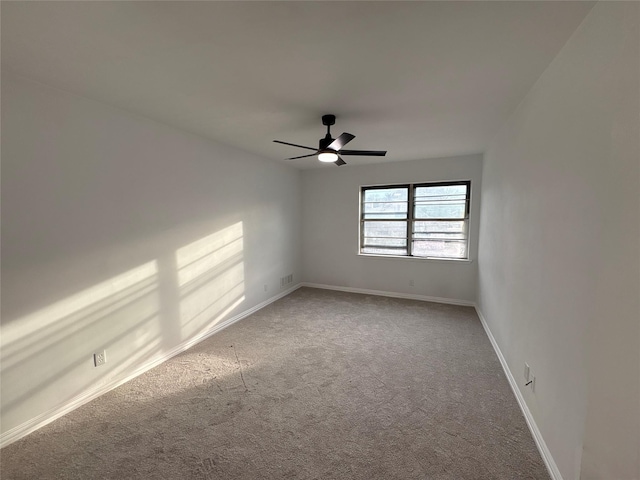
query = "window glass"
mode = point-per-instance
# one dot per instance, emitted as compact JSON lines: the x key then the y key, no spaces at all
{"x":448,"y":201}
{"x":385,"y":203}
{"x":440,"y":248}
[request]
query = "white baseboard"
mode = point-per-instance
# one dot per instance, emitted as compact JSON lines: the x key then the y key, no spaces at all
{"x":43,"y":419}
{"x":381,"y":293}
{"x":549,"y":462}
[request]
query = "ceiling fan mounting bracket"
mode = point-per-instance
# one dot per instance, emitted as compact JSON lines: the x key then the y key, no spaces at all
{"x":328,"y":120}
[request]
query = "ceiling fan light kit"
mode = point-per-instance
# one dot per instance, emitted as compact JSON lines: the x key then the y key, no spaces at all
{"x":330,"y":149}
{"x":327,"y":156}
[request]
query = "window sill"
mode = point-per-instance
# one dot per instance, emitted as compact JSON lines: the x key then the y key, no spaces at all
{"x":419,"y":259}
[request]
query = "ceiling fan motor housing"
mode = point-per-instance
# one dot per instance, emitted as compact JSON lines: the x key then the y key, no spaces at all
{"x":325,"y":142}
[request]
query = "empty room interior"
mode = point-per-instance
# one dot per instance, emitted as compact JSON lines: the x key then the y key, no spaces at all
{"x":320,"y":240}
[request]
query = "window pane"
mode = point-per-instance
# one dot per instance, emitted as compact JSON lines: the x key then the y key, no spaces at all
{"x":445,"y":230}
{"x":444,"y":201}
{"x":424,"y":210}
{"x":397,"y":194}
{"x":385,"y":203}
{"x":384,"y":251}
{"x":441,"y":190}
{"x":385,"y":238}
{"x":440,"y":248}
{"x":385,"y":242}
{"x":385,"y":229}
{"x":385,"y":210}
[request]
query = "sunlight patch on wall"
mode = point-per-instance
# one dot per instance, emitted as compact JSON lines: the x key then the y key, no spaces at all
{"x":210,"y":279}
{"x":54,"y":346}
{"x":144,"y":352}
{"x":34,"y":327}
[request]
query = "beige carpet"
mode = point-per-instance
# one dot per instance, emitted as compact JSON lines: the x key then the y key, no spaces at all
{"x":319,"y":385}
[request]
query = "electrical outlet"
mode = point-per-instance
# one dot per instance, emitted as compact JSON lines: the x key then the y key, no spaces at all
{"x":411,"y":283}
{"x":265,"y":287}
{"x":529,"y":378}
{"x":100,"y":358}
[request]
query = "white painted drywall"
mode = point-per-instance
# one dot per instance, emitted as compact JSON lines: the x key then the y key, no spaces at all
{"x":559,"y":256}
{"x":331,"y":220}
{"x":122,"y":233}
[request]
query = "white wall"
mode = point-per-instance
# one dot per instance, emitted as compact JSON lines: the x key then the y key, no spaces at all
{"x":559,"y":270}
{"x":124,"y":234}
{"x":330,"y":230}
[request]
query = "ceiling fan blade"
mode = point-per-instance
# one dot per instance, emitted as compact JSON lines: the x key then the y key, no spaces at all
{"x":367,"y":153}
{"x":301,"y":156}
{"x":341,"y":141}
{"x":294,"y":145}
{"x":340,"y":161}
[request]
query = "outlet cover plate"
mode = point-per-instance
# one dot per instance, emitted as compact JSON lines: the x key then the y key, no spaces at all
{"x":100,"y":358}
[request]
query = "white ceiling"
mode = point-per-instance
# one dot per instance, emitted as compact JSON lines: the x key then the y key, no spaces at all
{"x":419,"y":79}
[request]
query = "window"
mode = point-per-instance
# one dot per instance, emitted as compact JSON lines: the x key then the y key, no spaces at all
{"x":426,"y":220}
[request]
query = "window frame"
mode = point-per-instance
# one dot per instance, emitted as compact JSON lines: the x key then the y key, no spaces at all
{"x":411,"y":219}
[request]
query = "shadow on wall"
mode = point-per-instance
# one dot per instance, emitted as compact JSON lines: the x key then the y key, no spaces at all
{"x":46,"y":357}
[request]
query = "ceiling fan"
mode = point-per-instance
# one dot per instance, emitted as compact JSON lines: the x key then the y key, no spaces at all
{"x":330,"y":150}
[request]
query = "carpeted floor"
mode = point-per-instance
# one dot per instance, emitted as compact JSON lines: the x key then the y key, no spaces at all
{"x":318,"y":385}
